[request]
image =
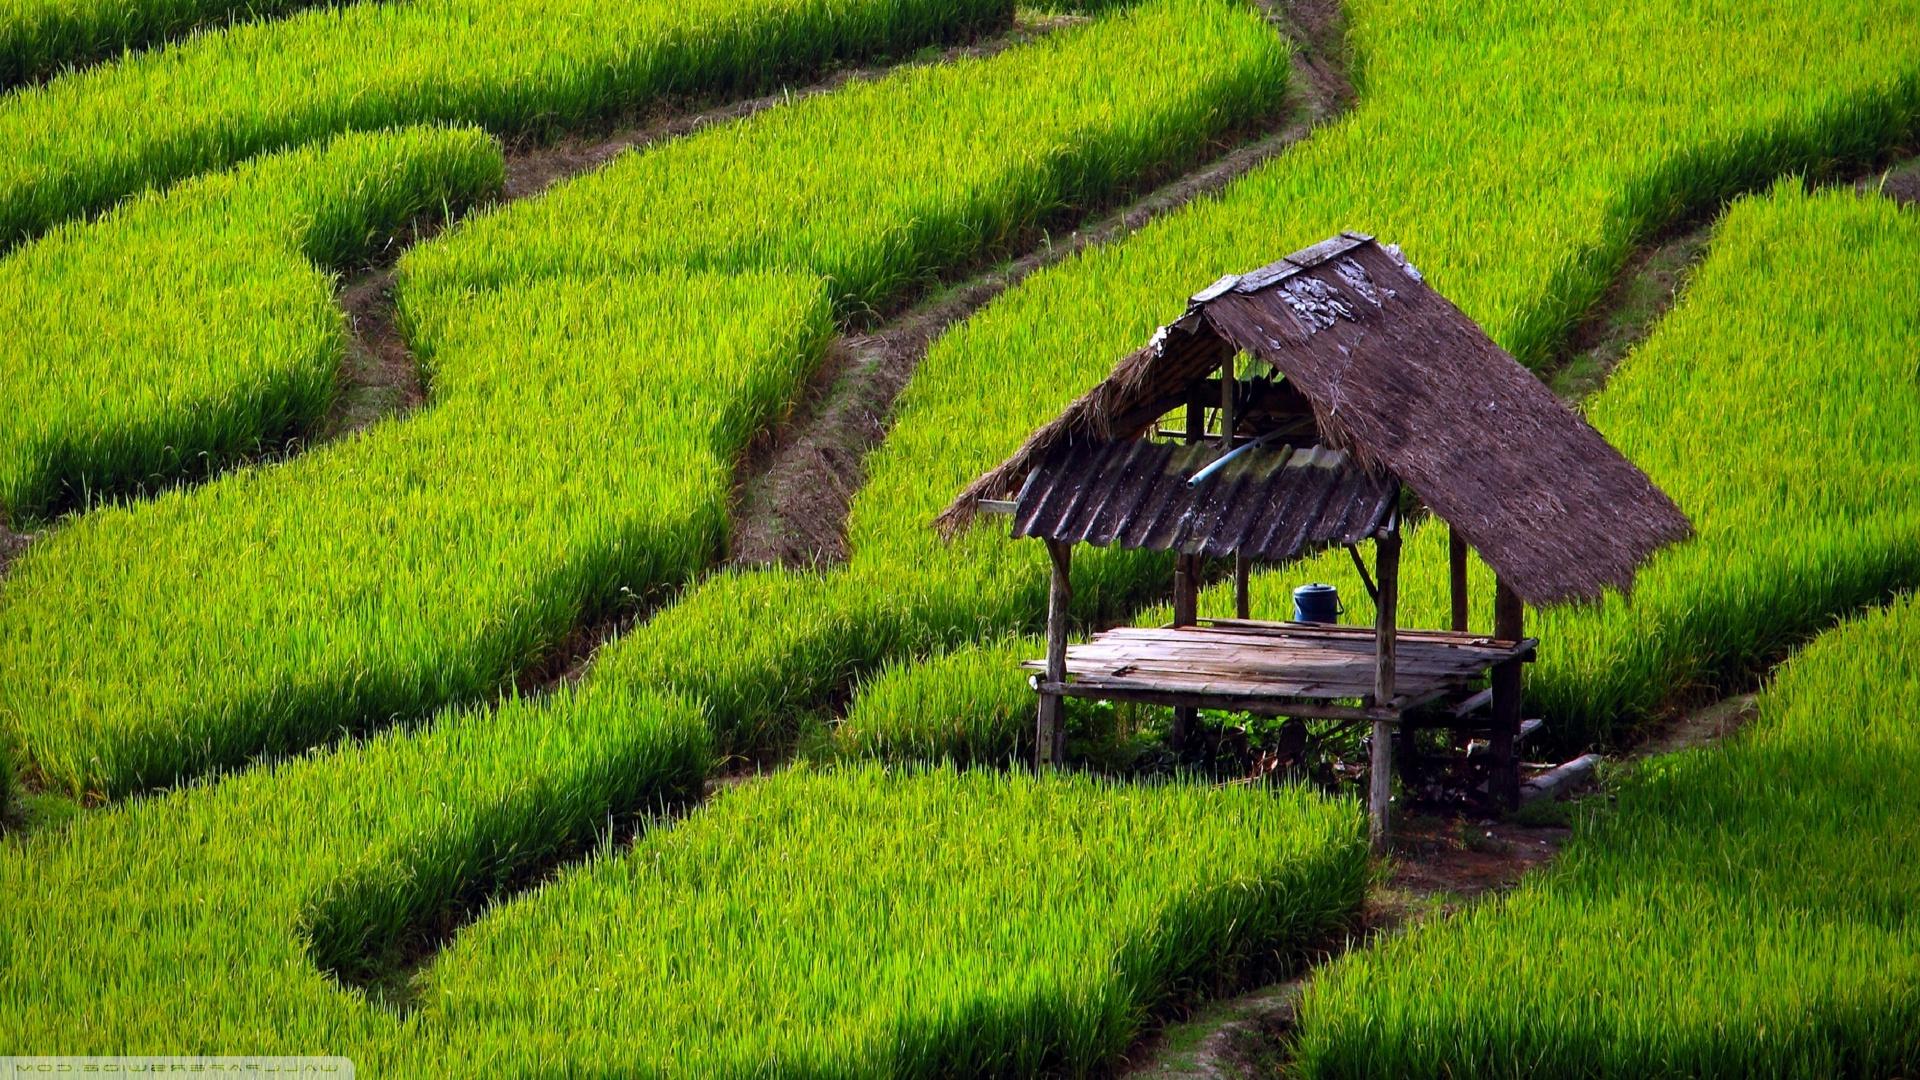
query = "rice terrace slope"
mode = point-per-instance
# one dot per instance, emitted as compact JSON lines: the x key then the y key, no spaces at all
{"x":288,"y":764}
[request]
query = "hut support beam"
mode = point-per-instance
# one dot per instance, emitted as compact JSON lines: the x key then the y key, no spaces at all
{"x":1186,"y":571}
{"x":1242,"y":587}
{"x":1457,"y":575}
{"x":1050,"y":735}
{"x":1386,"y":614}
{"x":1509,"y":624}
{"x":1186,"y":612}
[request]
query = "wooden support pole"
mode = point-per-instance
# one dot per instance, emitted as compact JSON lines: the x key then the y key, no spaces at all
{"x":1242,"y":587}
{"x":1186,"y":589}
{"x":1457,"y":571}
{"x":1226,"y":405}
{"x":1050,"y":735}
{"x":1386,"y":612}
{"x":1509,"y":624}
{"x":1186,"y":612}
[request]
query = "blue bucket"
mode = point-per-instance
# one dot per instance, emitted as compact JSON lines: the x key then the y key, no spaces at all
{"x":1316,"y":603}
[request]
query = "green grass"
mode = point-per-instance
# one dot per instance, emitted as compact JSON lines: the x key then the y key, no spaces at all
{"x":205,"y":920}
{"x":865,"y":923}
{"x":42,"y":37}
{"x":971,"y":705}
{"x":79,"y":142}
{"x":1518,"y":179}
{"x":1746,"y":909}
{"x":188,"y":329}
{"x":883,"y":187}
{"x":419,"y":562}
{"x":577,"y":451}
{"x":960,"y":933}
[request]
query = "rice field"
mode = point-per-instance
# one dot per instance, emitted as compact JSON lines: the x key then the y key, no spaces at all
{"x":337,"y":863}
{"x":959,"y":938}
{"x":1742,"y":911}
{"x":1756,"y":897}
{"x":350,"y":775}
{"x":196,"y":327}
{"x":1690,"y":115}
{"x":39,"y":38}
{"x":511,"y":543}
{"x":80,"y":141}
{"x":1066,"y":940}
{"x":1803,"y":500}
{"x":575,"y":457}
{"x":1805,"y":513}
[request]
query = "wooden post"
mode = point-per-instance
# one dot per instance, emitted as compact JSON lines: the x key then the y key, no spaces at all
{"x":1385,"y":631}
{"x":1186,"y":612}
{"x":1226,"y":405}
{"x":1457,"y":569}
{"x":1050,"y":735}
{"x":1242,"y":587}
{"x":1509,"y":624}
{"x":1186,"y":589}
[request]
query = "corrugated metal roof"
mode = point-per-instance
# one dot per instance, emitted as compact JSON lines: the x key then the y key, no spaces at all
{"x":1269,"y":503}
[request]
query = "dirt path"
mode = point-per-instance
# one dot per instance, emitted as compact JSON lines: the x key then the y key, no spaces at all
{"x":1901,"y":183}
{"x":11,"y":545}
{"x":380,"y":378}
{"x":794,"y":487}
{"x":1439,"y":866}
{"x":1641,"y":294}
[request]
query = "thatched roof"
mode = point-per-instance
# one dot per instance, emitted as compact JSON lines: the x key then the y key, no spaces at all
{"x":1412,"y":389}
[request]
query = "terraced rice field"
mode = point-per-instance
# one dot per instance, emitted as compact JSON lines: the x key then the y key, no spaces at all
{"x":452,"y":742}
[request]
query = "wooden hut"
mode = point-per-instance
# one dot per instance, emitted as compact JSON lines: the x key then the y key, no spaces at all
{"x":1362,"y":390}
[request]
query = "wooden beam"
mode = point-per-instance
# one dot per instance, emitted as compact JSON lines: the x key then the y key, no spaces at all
{"x":1366,"y":579}
{"x":1096,"y":689}
{"x":1186,"y":589}
{"x":1509,"y":618}
{"x":1226,"y":405}
{"x":1242,"y":586}
{"x":1386,"y":612}
{"x":1050,"y":735}
{"x":1186,"y":586}
{"x":1457,"y":572}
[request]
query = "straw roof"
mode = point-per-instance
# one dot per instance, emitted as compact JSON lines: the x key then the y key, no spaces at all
{"x":1398,"y":378}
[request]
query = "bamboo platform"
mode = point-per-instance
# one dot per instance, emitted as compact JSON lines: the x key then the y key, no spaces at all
{"x":1277,"y":668}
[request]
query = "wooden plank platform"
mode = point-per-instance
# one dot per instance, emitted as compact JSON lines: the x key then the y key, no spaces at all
{"x":1281,"y":668}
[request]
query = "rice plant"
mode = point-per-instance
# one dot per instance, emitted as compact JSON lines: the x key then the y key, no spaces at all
{"x":41,"y":37}
{"x":190,"y":328}
{"x":80,"y":141}
{"x":1746,"y":910}
{"x":1056,"y":914}
{"x":1518,"y":151}
{"x":968,"y":706}
{"x":218,"y":917}
{"x":577,"y":451}
{"x":866,"y":923}
{"x":419,"y":562}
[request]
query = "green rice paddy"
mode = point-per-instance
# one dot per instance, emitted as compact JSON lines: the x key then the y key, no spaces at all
{"x":320,"y":817}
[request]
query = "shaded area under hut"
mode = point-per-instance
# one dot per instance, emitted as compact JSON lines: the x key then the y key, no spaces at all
{"x":1304,"y":405}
